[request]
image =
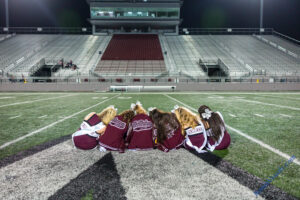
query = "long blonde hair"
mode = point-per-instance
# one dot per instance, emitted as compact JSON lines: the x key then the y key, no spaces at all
{"x":107,"y":114}
{"x":186,"y":117}
{"x":138,"y":108}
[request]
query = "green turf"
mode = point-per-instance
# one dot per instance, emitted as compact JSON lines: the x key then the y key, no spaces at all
{"x":278,"y":131}
{"x":88,"y":196}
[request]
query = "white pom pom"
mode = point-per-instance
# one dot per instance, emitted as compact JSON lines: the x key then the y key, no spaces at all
{"x":132,"y":106}
{"x":138,"y":103}
{"x":176,"y":107}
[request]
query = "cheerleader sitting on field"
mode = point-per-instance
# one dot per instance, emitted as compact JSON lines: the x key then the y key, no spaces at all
{"x":113,"y":137}
{"x":166,"y":130}
{"x":217,"y":135}
{"x":195,"y":135}
{"x":139,"y":136}
{"x":86,"y":137}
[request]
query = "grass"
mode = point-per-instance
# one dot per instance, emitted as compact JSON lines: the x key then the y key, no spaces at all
{"x":280,"y":132}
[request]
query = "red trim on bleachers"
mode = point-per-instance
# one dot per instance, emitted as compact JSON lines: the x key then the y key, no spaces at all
{"x":133,"y":47}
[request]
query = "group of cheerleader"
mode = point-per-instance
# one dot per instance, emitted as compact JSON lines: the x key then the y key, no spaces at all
{"x":137,"y":129}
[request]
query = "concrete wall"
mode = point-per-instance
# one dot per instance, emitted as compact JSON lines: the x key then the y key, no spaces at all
{"x":91,"y":87}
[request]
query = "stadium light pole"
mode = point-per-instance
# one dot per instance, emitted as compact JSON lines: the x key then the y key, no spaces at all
{"x":261,"y":13}
{"x":6,"y":13}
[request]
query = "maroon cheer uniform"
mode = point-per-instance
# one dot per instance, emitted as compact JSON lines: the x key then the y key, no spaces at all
{"x":174,"y":139}
{"x":113,"y":137}
{"x":196,"y":138}
{"x":140,"y":133}
{"x":222,"y":143}
{"x":86,"y":138}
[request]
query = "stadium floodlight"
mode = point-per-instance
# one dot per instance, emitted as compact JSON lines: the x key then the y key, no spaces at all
{"x":261,"y":13}
{"x":6,"y":13}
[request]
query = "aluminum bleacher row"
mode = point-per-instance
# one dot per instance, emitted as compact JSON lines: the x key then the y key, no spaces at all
{"x":142,"y":54}
{"x":259,"y":55}
{"x":24,"y":51}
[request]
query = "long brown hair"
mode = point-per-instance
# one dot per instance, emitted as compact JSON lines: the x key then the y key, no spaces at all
{"x":161,"y":120}
{"x":214,"y":121}
{"x":127,"y":115}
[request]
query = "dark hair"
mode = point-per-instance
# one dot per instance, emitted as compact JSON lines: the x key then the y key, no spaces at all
{"x":215,"y":122}
{"x":161,"y":120}
{"x":127,"y":115}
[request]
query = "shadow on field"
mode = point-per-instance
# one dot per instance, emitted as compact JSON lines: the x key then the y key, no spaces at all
{"x":102,"y":178}
{"x":243,"y":177}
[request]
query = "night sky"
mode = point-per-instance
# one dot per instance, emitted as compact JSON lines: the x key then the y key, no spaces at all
{"x":282,"y":15}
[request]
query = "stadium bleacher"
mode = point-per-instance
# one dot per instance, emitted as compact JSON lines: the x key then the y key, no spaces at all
{"x":132,"y":55}
{"x":243,"y":55}
{"x":259,"y":55}
{"x":133,"y":47}
{"x":283,"y":43}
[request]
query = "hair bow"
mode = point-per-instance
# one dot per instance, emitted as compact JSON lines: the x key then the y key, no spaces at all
{"x":207,"y":114}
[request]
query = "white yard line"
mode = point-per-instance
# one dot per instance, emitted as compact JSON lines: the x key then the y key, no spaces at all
{"x":269,"y":104}
{"x":284,"y":115}
{"x":53,"y":124}
{"x":14,"y":117}
{"x":259,"y":115}
{"x":272,"y":96}
{"x":42,"y":116}
{"x":26,"y":102}
{"x":266,"y":146}
{"x":232,"y":115}
{"x":6,"y":97}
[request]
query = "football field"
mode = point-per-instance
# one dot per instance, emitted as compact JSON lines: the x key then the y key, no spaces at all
{"x":37,"y":160}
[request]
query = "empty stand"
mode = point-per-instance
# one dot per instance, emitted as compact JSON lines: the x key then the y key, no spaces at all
{"x":130,"y":67}
{"x":133,"y":47}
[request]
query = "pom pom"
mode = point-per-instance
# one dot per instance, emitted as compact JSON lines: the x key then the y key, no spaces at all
{"x":132,"y":106}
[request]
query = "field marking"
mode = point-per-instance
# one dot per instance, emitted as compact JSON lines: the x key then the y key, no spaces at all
{"x":258,"y":115}
{"x":14,"y":117}
{"x":276,"y":151}
{"x":42,"y":116}
{"x":278,"y":97}
{"x":95,"y":97}
{"x":284,"y":115}
{"x":232,"y":115}
{"x":124,"y":97}
{"x":268,"y":104}
{"x":53,"y":124}
{"x":26,"y":102}
{"x":215,"y":97}
{"x":7,"y":97}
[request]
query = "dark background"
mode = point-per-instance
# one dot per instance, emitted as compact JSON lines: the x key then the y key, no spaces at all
{"x":282,"y":15}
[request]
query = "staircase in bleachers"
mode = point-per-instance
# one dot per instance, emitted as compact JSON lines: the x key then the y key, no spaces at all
{"x":134,"y":54}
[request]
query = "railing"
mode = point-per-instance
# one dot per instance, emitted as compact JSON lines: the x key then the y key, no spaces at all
{"x":46,"y":30}
{"x":224,"y":31}
{"x":149,"y":80}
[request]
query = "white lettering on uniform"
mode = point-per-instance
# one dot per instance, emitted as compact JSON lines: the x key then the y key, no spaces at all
{"x":141,"y":125}
{"x":117,"y":123}
{"x":194,"y":131}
